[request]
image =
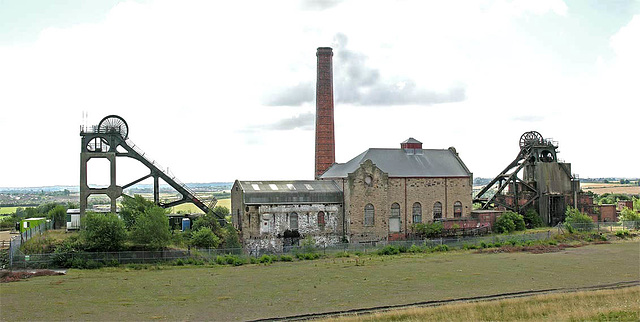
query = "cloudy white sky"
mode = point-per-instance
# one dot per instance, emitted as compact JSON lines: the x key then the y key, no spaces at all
{"x":224,"y":90}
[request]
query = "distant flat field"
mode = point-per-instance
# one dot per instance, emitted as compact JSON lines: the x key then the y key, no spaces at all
{"x":7,"y":210}
{"x":602,"y":188}
{"x":189,"y":207}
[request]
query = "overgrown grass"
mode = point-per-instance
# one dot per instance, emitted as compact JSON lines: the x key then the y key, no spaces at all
{"x":606,"y":305}
{"x":201,"y":292}
{"x":7,"y":210}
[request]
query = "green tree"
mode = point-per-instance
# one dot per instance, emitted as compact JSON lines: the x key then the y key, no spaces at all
{"x":205,"y":238}
{"x":103,"y":232}
{"x":132,"y":208}
{"x":532,"y":219}
{"x":231,"y":239}
{"x":221,"y":210}
{"x":509,"y":222}
{"x":59,"y":216}
{"x":45,"y":208}
{"x":630,"y":215}
{"x":577,"y":219}
{"x":151,"y":229}
{"x":207,"y":220}
{"x":636,"y":204}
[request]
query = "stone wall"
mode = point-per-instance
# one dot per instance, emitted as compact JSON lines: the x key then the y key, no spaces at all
{"x":381,"y":192}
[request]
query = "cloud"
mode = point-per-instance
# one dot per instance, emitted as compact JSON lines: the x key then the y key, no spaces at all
{"x":357,"y":83}
{"x":319,"y":4}
{"x":303,"y":121}
{"x":528,"y":118}
{"x":293,"y":96}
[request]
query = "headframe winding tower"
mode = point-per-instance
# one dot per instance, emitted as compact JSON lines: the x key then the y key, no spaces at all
{"x":546,"y":183}
{"x":109,"y":140}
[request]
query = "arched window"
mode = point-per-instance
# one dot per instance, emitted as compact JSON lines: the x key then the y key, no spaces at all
{"x":293,"y":221}
{"x":321,"y":221}
{"x":457,"y":209}
{"x":417,"y":213}
{"x":369,"y":215}
{"x":437,"y":210}
{"x":395,"y":210}
{"x":394,"y":218}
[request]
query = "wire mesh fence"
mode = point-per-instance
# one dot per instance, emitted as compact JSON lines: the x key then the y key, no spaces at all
{"x":601,"y":226}
{"x":98,"y":259}
{"x":16,"y":241}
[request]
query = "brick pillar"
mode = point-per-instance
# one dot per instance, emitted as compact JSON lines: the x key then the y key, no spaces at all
{"x":325,"y":141}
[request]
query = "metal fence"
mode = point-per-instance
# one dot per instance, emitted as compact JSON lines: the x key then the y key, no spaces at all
{"x":19,"y":260}
{"x":96,"y":259}
{"x":602,"y":226}
{"x":16,"y":241}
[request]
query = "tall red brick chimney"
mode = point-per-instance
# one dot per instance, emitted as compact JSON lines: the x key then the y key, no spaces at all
{"x":325,"y":141}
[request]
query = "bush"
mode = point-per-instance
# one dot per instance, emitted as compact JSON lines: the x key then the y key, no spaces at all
{"x":440,"y":248}
{"x":64,"y":252}
{"x":623,"y":233}
{"x":151,"y":229}
{"x":428,"y":230}
{"x":575,"y":219}
{"x":308,"y":256}
{"x":630,"y":215}
{"x":287,"y":258}
{"x":208,"y":220}
{"x":267,"y":259}
{"x":388,"y":250}
{"x":41,"y":244}
{"x":308,"y":244}
{"x":103,"y":232}
{"x":59,"y":216}
{"x":415,"y":249}
{"x":205,"y":238}
{"x":532,"y":219}
{"x":231,"y":260}
{"x":509,"y":222}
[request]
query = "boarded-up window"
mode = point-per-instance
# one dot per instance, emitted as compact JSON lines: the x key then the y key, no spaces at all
{"x":437,"y":210}
{"x":417,"y":213}
{"x":293,"y":221}
{"x":369,"y":215}
{"x":321,"y":221}
{"x":394,"y":219}
{"x":457,"y":209}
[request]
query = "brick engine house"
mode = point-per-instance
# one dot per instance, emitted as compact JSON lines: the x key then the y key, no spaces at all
{"x":378,"y":195}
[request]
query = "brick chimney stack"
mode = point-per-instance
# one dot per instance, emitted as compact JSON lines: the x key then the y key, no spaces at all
{"x":325,"y":141}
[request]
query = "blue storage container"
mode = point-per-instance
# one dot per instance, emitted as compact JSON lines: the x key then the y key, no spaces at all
{"x":186,"y":224}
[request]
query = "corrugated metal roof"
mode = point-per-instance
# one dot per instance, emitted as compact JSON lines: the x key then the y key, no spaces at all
{"x":290,"y":192}
{"x":398,"y":163}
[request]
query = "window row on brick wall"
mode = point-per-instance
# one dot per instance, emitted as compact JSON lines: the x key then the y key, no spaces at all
{"x":369,"y":212}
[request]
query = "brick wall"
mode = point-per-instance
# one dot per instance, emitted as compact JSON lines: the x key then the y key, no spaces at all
{"x":383,"y":191}
{"x":608,"y":213}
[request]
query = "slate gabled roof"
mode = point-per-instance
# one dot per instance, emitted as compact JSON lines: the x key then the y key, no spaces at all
{"x":397,"y":163}
{"x":290,"y":192}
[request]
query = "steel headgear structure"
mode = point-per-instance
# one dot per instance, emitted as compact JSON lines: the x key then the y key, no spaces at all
{"x":546,"y":184}
{"x":109,"y":140}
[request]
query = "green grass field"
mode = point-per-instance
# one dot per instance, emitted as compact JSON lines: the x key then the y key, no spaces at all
{"x":189,"y":207}
{"x":7,"y":210}
{"x":259,"y":291}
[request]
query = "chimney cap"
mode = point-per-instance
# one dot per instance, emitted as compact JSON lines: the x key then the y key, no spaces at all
{"x":325,"y":50}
